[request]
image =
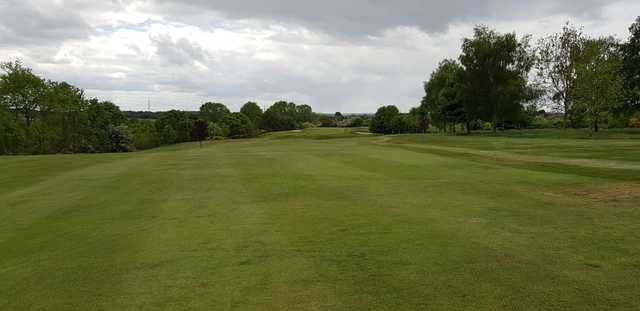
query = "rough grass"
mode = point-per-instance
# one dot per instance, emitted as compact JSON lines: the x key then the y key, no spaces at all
{"x":326,"y":219}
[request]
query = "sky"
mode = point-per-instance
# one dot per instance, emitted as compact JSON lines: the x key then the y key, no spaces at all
{"x":335,"y":55}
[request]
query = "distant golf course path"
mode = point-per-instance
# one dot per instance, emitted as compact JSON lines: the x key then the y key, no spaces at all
{"x":326,"y":219}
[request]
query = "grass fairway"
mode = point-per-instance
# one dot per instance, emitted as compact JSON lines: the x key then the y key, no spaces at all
{"x":326,"y":219}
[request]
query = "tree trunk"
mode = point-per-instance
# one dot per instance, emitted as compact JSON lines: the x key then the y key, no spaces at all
{"x":495,"y":125}
{"x":565,"y":116}
{"x":595,"y":125}
{"x":468,"y":128}
{"x":28,"y":118}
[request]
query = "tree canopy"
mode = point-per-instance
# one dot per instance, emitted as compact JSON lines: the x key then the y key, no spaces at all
{"x":557,"y":65}
{"x":41,"y":116}
{"x":253,"y":112}
{"x":444,"y":94}
{"x":383,"y":121}
{"x":285,"y":116}
{"x":213,"y":112}
{"x":598,"y":85}
{"x":496,"y":69}
{"x":240,"y":126}
{"x":174,"y":126}
{"x":631,"y":69}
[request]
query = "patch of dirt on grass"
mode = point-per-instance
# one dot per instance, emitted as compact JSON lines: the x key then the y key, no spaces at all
{"x":610,"y":193}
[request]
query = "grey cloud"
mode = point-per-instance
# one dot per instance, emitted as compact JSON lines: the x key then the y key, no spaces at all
{"x":25,"y":23}
{"x":180,"y":52}
{"x":358,"y":17}
{"x":40,"y":23}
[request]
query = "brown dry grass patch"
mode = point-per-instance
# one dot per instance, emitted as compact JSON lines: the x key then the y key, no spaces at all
{"x":614,"y":192}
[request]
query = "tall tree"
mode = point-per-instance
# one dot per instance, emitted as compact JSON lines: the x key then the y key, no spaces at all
{"x":496,"y":68}
{"x":122,"y":139}
{"x":415,"y":121}
{"x":599,"y":84}
{"x":281,"y":116}
{"x":304,"y":113}
{"x":11,"y":133}
{"x":421,"y":118}
{"x":239,"y":125}
{"x":145,"y":135}
{"x":631,"y":69}
{"x":556,"y":66}
{"x":400,"y":124}
{"x":384,"y":120}
{"x":21,"y":91}
{"x":63,"y":123}
{"x":174,"y":126}
{"x":444,"y":94}
{"x":104,"y":117}
{"x":213,"y":112}
{"x":253,"y":112}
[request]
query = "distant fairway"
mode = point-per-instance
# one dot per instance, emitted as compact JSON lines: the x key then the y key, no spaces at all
{"x":327,"y":219}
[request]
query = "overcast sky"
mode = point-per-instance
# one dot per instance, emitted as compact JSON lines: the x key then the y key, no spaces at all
{"x":335,"y":55}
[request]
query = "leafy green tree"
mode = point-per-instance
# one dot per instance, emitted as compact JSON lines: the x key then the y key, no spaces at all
{"x":122,"y":140}
{"x":21,"y":91}
{"x":63,"y":114}
{"x":167,"y":135}
{"x":11,"y":134}
{"x":253,"y":112}
{"x":145,"y":135}
{"x":357,"y":122}
{"x":420,"y":117}
{"x":496,"y":69}
{"x":239,"y":125}
{"x":104,"y":117}
{"x":217,"y":130}
{"x":174,"y":126}
{"x":213,"y":112}
{"x":399,"y":124}
{"x":38,"y":116}
{"x":103,"y":114}
{"x":631,"y":70}
{"x":599,"y":85}
{"x":281,"y":116}
{"x":304,"y":113}
{"x":556,"y":66}
{"x":444,"y":95}
{"x":383,"y":121}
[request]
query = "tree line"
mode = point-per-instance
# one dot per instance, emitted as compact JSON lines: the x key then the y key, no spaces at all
{"x":39,"y":116}
{"x":500,"y":81}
